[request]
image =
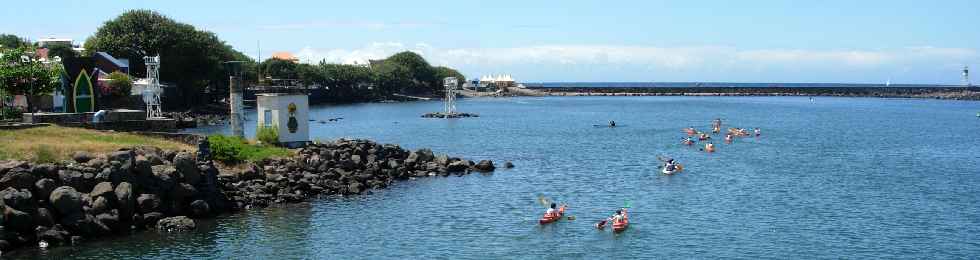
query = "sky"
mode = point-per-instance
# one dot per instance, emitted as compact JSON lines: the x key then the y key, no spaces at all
{"x":870,"y":41}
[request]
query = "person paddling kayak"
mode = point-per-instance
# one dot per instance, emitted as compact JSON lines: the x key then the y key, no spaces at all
{"x":620,"y":220}
{"x":553,"y":214}
{"x":709,"y":147}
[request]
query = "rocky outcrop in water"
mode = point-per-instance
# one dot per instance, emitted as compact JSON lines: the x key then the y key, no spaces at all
{"x":445,"y":115}
{"x":343,"y":167}
{"x":146,"y":187}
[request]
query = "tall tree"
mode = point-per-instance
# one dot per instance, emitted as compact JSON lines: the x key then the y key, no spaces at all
{"x":21,"y":73}
{"x":421,"y":74}
{"x":10,"y":41}
{"x":62,"y":50}
{"x":188,"y":57}
{"x":444,"y":72}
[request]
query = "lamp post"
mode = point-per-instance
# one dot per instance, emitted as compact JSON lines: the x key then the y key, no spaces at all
{"x":235,"y":97}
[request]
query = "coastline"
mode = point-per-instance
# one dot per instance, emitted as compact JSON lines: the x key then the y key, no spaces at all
{"x":92,"y":196}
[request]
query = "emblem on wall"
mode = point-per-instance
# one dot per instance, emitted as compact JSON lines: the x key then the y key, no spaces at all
{"x":292,"y":124}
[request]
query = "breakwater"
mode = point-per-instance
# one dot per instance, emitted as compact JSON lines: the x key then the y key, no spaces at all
{"x":939,"y":92}
{"x":94,"y":196}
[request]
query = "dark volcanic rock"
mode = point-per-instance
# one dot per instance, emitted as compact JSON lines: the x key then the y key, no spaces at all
{"x":148,"y":203}
{"x":66,"y":200}
{"x":176,"y":224}
{"x":127,"y":203}
{"x":82,"y":156}
{"x":484,"y":166}
{"x":18,"y":180}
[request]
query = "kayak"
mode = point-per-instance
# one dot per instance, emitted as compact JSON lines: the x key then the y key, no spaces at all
{"x":548,"y":219}
{"x":678,"y":168}
{"x":619,"y":227}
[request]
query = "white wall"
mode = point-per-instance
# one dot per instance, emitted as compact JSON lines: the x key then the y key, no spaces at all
{"x":277,"y":105}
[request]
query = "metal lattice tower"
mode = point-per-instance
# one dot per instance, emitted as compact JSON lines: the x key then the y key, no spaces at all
{"x":151,"y":94}
{"x":450,"y":84}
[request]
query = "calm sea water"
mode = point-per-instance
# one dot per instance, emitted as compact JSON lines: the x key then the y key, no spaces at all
{"x":834,"y":178}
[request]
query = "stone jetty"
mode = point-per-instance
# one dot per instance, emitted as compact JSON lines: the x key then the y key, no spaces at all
{"x":140,"y":188}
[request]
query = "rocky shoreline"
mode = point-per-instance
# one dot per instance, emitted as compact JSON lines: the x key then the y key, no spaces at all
{"x":147,"y":188}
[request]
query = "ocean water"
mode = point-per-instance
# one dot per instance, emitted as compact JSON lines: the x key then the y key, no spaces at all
{"x":834,"y":178}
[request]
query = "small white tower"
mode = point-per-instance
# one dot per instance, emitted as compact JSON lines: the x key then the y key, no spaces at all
{"x":966,"y":76}
{"x":151,"y":94}
{"x":450,"y":83}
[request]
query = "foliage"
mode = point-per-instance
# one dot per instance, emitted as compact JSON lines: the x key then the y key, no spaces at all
{"x":420,"y":73}
{"x":62,"y":50}
{"x":10,"y":41}
{"x":445,"y":72}
{"x":268,"y":135}
{"x":120,"y":85}
{"x":280,"y":69}
{"x":10,"y":113}
{"x":232,"y":150}
{"x":392,"y":77}
{"x":21,"y":73}
{"x":191,"y":58}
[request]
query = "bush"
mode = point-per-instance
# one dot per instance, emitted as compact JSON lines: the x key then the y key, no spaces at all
{"x":10,"y":113}
{"x":233,"y":150}
{"x":268,"y":135}
{"x":120,"y":85}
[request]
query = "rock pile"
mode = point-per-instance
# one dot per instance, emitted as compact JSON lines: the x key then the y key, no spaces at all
{"x":343,"y":167}
{"x":453,"y":115}
{"x":146,"y":187}
{"x":95,"y":196}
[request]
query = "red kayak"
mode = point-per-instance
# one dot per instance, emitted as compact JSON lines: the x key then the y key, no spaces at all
{"x":620,"y":226}
{"x":552,"y":217}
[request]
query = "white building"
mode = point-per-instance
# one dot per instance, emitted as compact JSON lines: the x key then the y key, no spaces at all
{"x":499,"y":81}
{"x":286,"y":112}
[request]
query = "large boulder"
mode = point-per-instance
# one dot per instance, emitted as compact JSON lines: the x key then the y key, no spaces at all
{"x":44,"y":187}
{"x":121,"y":156}
{"x":442,"y":160}
{"x":66,"y":200}
{"x":166,"y":176}
{"x":457,"y":166}
{"x":44,"y":217}
{"x":46,"y":170}
{"x":127,"y":203}
{"x":18,"y":179}
{"x":148,"y":203}
{"x":150,"y":219}
{"x":17,"y":220}
{"x":17,"y":199}
{"x":103,"y":189}
{"x":7,"y":166}
{"x":82,"y":156}
{"x":176,"y":224}
{"x":200,"y":208}
{"x":187,"y":166}
{"x":100,"y":205}
{"x":485,"y":166}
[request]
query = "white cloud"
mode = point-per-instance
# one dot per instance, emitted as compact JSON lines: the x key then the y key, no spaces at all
{"x":345,"y":24}
{"x":689,"y":60}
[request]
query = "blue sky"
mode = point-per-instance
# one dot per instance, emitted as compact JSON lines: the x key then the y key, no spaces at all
{"x":732,"y":41}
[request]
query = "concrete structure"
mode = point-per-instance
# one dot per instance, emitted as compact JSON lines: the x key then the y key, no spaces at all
{"x":289,"y":113}
{"x":235,"y":90}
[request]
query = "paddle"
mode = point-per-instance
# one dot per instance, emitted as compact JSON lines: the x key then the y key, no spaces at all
{"x":602,"y":223}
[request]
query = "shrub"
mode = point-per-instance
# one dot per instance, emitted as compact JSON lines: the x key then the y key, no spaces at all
{"x":119,"y":85}
{"x":233,"y":150}
{"x":10,"y":113}
{"x":268,"y":135}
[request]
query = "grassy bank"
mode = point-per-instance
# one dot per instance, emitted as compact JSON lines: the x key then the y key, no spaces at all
{"x":55,"y":143}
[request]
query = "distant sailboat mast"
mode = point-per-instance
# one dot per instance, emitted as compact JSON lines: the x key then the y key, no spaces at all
{"x":888,"y":82}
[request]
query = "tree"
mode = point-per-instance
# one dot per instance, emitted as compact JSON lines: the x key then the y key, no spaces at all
{"x":21,"y":73}
{"x":10,"y":41}
{"x":419,"y":72}
{"x":392,"y":77}
{"x":62,"y":50}
{"x":120,"y":85}
{"x":191,"y":58}
{"x":280,"y":69}
{"x":444,"y":72}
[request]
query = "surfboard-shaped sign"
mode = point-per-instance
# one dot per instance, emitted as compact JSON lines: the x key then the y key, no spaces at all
{"x":83,"y":96}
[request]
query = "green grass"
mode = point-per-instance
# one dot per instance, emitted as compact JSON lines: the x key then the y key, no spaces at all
{"x":56,"y":143}
{"x":234,"y":150}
